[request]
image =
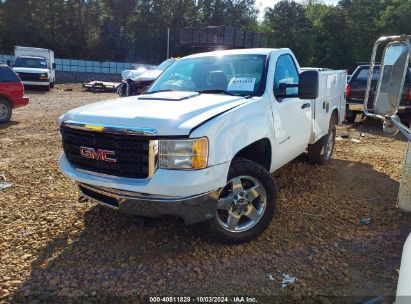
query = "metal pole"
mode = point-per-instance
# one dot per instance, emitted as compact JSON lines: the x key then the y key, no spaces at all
{"x":404,"y":195}
{"x":168,"y":42}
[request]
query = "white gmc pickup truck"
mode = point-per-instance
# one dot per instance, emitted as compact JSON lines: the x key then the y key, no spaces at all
{"x":203,"y":139}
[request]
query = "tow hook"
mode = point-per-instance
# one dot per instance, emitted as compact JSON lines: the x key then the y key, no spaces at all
{"x":82,"y":199}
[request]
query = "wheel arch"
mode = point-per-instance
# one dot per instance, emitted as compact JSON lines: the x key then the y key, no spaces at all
{"x":335,"y":116}
{"x":8,"y":99}
{"x":258,"y":152}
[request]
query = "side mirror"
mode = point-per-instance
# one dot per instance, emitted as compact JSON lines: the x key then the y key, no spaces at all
{"x":391,"y":79}
{"x":308,"y":85}
{"x":53,"y":65}
{"x":8,"y":62}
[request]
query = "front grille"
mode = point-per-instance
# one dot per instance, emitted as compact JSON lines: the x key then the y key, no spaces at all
{"x":131,"y":152}
{"x":29,"y":76}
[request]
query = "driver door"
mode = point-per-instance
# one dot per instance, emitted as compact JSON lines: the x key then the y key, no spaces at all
{"x":292,"y":115}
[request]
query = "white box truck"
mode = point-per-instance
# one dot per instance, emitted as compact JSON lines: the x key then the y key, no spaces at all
{"x":202,"y":141}
{"x":35,"y":66}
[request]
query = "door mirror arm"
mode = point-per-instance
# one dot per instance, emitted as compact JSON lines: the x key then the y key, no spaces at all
{"x":282,"y":90}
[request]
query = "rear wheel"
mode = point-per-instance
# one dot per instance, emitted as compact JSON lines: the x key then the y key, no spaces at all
{"x":246,"y":205}
{"x":351,"y":119}
{"x":5,"y":110}
{"x":321,"y":152}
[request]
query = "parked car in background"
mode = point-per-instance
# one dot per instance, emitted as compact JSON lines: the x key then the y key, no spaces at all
{"x":11,"y":93}
{"x":135,"y":85}
{"x":355,"y":93}
{"x":35,"y":66}
{"x":202,"y":141}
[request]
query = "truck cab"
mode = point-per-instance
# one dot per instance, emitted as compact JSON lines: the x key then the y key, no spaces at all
{"x":35,"y":66}
{"x":202,"y":141}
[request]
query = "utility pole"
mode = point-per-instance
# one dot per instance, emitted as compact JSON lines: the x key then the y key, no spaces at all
{"x":168,"y":42}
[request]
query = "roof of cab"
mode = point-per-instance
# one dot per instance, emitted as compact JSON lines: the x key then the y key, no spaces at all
{"x":261,"y":51}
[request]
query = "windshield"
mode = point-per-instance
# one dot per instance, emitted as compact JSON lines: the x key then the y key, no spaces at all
{"x":234,"y":74}
{"x":165,"y":64}
{"x":30,"y":63}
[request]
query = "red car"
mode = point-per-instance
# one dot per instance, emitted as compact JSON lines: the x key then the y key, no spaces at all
{"x":11,"y":93}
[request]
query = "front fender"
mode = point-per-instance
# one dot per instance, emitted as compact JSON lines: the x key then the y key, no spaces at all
{"x":237,"y":128}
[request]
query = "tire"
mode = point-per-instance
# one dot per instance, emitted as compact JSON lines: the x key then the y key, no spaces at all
{"x":122,"y":89}
{"x":48,"y":87}
{"x":51,"y":84}
{"x":245,"y":179}
{"x":320,"y":153}
{"x":5,"y":110}
{"x":351,"y":119}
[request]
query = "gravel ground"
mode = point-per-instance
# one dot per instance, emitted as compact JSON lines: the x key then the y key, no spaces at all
{"x":54,"y":248}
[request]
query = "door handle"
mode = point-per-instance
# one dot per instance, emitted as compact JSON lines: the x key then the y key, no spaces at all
{"x":306,"y":105}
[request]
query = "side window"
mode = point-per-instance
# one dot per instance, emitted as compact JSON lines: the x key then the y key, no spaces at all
{"x":285,"y":72}
{"x":7,"y":75}
{"x":363,"y":74}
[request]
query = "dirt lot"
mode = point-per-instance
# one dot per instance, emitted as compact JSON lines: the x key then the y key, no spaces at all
{"x":54,"y":248}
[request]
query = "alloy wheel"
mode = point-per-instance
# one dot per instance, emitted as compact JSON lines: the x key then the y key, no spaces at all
{"x":241,"y":204}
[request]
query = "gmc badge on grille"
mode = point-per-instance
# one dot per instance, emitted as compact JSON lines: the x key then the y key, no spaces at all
{"x":99,"y":154}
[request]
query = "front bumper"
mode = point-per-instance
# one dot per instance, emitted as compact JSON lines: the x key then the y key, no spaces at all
{"x":174,"y":183}
{"x":192,"y":209}
{"x":36,"y":83}
{"x":191,"y":195}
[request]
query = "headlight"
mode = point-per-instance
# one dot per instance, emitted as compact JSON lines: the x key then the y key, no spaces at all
{"x":183,"y":154}
{"x":43,"y":75}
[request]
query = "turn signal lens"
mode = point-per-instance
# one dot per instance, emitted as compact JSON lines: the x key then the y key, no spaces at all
{"x":95,"y":128}
{"x":200,"y":151}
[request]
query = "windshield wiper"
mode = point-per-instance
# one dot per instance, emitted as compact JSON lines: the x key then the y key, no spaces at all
{"x":216,"y":91}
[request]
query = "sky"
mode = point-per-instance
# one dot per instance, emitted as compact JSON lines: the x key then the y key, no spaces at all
{"x":262,"y":4}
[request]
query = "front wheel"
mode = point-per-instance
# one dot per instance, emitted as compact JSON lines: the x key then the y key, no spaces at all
{"x":246,"y":205}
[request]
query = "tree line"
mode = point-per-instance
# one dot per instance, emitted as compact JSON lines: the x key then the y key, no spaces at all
{"x":335,"y":36}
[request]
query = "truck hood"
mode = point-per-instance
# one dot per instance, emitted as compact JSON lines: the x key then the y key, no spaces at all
{"x":130,"y":74}
{"x":148,"y":75}
{"x":29,"y":70}
{"x":169,"y":113}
